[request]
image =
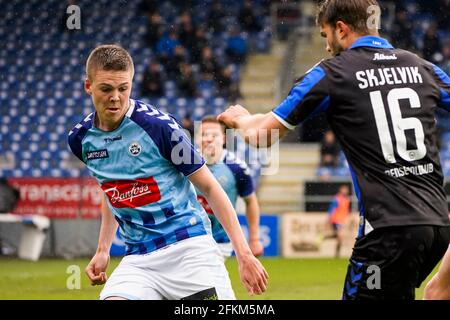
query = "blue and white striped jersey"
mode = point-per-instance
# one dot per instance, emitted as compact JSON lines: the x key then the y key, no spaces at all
{"x":142,"y":166}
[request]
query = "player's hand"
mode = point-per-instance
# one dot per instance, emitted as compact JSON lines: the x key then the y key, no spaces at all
{"x":252,"y":273}
{"x":96,"y":269}
{"x":257,"y":247}
{"x":230,"y":116}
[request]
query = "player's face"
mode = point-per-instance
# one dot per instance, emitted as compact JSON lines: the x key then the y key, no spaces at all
{"x":333,"y":45}
{"x":212,"y":139}
{"x":110,"y":91}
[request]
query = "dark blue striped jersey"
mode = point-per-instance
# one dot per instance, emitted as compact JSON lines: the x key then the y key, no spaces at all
{"x":380,"y":102}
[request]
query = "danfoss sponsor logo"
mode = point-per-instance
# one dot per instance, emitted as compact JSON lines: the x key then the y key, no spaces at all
{"x":132,"y":193}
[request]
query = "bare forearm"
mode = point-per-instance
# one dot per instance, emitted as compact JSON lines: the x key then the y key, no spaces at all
{"x":249,"y":127}
{"x":252,"y":273}
{"x":253,"y":216}
{"x":224,"y":211}
{"x":260,"y":130}
{"x":108,"y":229}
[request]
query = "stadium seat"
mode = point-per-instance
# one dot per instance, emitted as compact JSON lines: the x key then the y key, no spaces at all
{"x":43,"y":68}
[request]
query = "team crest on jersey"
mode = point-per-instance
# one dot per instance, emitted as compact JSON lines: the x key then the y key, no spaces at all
{"x":132,"y":193}
{"x":134,"y":149}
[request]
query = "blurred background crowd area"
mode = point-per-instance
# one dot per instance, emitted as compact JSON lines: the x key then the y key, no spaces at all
{"x":189,"y":56}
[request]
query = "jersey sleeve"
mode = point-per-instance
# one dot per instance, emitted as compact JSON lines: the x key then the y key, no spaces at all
{"x":171,"y":139}
{"x":443,"y":82}
{"x":76,"y":136}
{"x":179,"y":150}
{"x":306,"y":99}
{"x":243,"y":178}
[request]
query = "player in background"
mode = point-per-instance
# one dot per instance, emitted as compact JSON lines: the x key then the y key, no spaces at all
{"x":147,"y":168}
{"x":337,"y":215}
{"x":380,"y":103}
{"x":438,"y":288}
{"x":234,"y":177}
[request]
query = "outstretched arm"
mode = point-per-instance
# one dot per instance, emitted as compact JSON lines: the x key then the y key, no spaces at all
{"x":260,"y":130}
{"x":253,"y":275}
{"x":309,"y":97}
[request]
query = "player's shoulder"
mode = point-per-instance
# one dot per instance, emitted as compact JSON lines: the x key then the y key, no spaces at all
{"x":236,"y":164}
{"x":77,"y":134}
{"x":151,"y":118}
{"x":316,"y":71}
{"x":411,"y":57}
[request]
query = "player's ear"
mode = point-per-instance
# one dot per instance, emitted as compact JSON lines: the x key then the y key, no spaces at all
{"x":342,"y":29}
{"x":198,"y":136}
{"x":87,"y":86}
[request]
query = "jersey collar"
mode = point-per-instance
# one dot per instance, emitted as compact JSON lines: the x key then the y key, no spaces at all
{"x":373,"y":42}
{"x":130,"y":109}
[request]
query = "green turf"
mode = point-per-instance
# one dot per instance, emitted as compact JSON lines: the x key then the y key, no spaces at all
{"x":290,"y":279}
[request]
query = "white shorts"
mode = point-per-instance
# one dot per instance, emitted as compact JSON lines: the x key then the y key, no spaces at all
{"x":226,"y":249}
{"x":186,"y":269}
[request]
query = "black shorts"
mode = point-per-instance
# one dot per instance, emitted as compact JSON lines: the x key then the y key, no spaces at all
{"x":389,"y":263}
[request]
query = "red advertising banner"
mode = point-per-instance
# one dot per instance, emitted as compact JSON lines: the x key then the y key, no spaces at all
{"x":66,"y":198}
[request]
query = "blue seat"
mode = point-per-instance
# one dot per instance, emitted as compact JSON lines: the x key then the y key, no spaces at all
{"x":43,"y":87}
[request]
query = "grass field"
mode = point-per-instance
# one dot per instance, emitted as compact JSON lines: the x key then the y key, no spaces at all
{"x":290,"y":279}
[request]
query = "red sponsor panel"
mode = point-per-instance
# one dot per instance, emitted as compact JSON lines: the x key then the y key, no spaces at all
{"x":58,"y":197}
{"x":202,"y":200}
{"x":132,"y":193}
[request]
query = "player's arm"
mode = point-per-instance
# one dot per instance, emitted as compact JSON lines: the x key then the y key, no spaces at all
{"x":438,"y":288}
{"x":307,"y":98}
{"x":96,"y":269}
{"x":252,"y":273}
{"x":260,"y":130}
{"x":252,"y":213}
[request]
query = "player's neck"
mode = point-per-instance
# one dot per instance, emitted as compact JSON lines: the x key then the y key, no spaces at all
{"x":353,"y":37}
{"x":107,"y":124}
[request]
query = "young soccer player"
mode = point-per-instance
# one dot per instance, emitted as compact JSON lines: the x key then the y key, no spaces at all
{"x":148,"y":168}
{"x":235,"y":179}
{"x":380,"y":102}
